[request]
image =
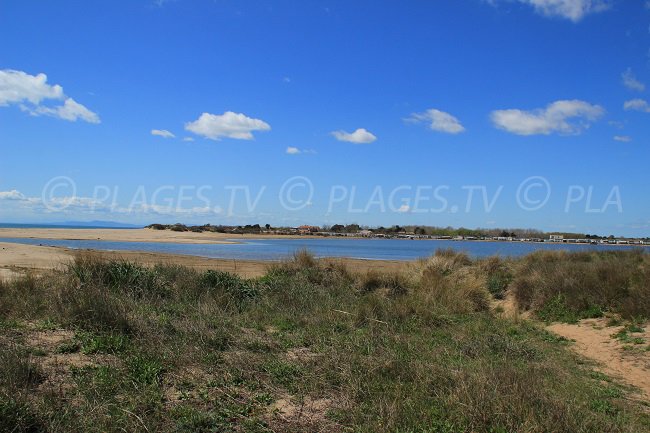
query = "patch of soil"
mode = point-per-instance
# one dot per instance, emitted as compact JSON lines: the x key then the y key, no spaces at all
{"x":594,"y":340}
{"x":307,"y":412}
{"x":301,"y":354}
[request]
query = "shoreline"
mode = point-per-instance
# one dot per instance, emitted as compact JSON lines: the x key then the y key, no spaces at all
{"x":169,"y":236}
{"x":20,"y":259}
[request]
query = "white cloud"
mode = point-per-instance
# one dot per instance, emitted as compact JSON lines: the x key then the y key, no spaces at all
{"x":228,"y":124}
{"x":360,"y":136}
{"x":555,"y":118}
{"x":623,"y":138}
{"x":573,"y":10}
{"x":162,"y":133}
{"x":291,"y":150}
{"x":630,"y":81}
{"x":70,"y":110}
{"x":29,"y":92}
{"x":637,"y":105}
{"x":12,"y":195}
{"x":404,"y":208}
{"x":438,"y":121}
{"x":188,"y":139}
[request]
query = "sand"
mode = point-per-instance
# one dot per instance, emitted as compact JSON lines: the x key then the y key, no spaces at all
{"x":119,"y":235}
{"x":593,"y":340}
{"x":17,"y":259}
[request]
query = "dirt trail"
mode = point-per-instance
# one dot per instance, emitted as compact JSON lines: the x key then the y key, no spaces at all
{"x":630,"y":363}
{"x":627,"y":362}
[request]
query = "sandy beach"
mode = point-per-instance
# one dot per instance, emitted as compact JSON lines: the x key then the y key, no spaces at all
{"x":17,"y":259}
{"x":120,"y":235}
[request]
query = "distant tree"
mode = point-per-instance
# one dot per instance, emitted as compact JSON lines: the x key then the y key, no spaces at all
{"x":267,"y":226}
{"x":352,"y":228}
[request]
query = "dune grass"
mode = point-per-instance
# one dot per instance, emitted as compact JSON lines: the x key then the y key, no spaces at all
{"x":310,"y":346}
{"x":572,"y":286}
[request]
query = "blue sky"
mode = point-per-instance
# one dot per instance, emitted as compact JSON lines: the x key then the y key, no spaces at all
{"x":142,"y":111}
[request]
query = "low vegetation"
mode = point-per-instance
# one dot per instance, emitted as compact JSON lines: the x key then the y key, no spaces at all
{"x":561,"y":286}
{"x":313,"y":346}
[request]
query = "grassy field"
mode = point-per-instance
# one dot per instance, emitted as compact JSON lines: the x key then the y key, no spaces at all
{"x":115,"y":346}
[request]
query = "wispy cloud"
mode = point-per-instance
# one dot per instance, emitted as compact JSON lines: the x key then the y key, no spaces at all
{"x":574,"y":10}
{"x":31,"y":92}
{"x":360,"y":136}
{"x":188,"y":139}
{"x":438,"y":121}
{"x":567,"y":117}
{"x":637,"y":105}
{"x":291,"y":150}
{"x":162,"y":133}
{"x":631,"y":82}
{"x":229,"y":124}
{"x":623,"y":138}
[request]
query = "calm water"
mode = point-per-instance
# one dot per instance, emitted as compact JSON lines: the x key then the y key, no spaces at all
{"x":275,"y":249}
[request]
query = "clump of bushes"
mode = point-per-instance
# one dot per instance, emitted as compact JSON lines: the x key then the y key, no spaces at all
{"x":449,"y":281}
{"x":569,"y":286}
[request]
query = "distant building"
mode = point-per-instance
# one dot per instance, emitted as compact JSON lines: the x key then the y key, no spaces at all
{"x":556,"y":238}
{"x":308,"y":229}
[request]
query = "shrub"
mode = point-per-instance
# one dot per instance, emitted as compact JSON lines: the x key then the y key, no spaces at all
{"x":583,"y":284}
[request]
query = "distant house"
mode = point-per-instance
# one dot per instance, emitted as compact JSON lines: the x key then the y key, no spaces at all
{"x":556,"y":238}
{"x":308,"y":229}
{"x":365,"y":233}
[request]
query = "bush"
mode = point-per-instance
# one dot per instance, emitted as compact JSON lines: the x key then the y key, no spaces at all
{"x":586,"y":284}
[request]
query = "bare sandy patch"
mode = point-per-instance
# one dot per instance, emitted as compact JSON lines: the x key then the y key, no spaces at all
{"x":304,"y":411}
{"x":594,"y":340}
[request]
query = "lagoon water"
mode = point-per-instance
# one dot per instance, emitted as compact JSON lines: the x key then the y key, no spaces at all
{"x":276,"y":249}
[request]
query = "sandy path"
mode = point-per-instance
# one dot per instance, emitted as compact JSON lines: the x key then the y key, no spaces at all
{"x":593,"y":339}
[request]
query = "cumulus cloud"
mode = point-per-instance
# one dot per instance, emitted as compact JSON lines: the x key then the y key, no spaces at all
{"x":438,"y":121}
{"x":162,"y":133}
{"x":637,"y":105}
{"x":228,"y":124}
{"x":360,"y":136}
{"x":630,"y":81}
{"x":30,"y":92}
{"x":12,"y":195}
{"x":567,"y":117}
{"x":573,"y":10}
{"x":623,"y":138}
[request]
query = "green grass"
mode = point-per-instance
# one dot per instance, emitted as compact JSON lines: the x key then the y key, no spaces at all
{"x":167,"y":348}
